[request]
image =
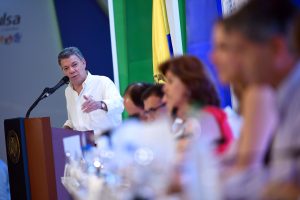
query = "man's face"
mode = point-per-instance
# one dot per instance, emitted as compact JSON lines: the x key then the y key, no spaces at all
{"x":74,"y":68}
{"x":256,"y":58}
{"x":224,"y":55}
{"x":154,"y":107}
{"x":132,"y":109}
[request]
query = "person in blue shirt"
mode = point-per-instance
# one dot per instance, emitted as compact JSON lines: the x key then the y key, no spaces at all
{"x":4,"y":182}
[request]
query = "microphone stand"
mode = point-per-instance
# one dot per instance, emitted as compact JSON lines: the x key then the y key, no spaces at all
{"x":45,"y":93}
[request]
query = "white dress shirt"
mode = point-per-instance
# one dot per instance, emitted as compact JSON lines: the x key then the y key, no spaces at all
{"x":101,"y":88}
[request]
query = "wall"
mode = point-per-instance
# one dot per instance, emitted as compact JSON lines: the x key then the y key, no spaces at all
{"x":83,"y":24}
{"x":28,"y":60}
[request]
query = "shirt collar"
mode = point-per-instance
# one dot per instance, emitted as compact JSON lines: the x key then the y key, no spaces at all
{"x":85,"y":82}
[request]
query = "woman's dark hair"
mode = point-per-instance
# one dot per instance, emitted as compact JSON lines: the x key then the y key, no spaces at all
{"x":134,"y":91}
{"x":193,"y":75}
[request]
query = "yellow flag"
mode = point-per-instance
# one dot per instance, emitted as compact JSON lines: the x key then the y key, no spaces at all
{"x":160,"y":34}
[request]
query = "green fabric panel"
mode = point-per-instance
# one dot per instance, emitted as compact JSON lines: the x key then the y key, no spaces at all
{"x":133,"y":27}
{"x":139,"y":38}
{"x":121,"y":42}
{"x":139,"y":71}
{"x":182,"y":14}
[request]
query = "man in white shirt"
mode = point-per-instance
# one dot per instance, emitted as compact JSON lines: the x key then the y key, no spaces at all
{"x":93,"y":102}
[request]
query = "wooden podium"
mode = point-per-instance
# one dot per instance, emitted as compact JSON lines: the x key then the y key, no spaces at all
{"x":36,"y":158}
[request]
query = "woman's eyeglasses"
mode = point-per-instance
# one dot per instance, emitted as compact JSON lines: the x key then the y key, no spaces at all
{"x":153,"y":110}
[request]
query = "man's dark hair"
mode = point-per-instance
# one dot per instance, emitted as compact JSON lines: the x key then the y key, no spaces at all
{"x":154,"y":90}
{"x":134,"y":91}
{"x":259,"y":20}
{"x":69,"y":51}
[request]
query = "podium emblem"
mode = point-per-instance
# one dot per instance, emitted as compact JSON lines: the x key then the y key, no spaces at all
{"x":13,"y":145}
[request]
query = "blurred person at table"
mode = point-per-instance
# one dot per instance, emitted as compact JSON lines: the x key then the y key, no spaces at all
{"x":256,"y":121}
{"x":191,"y":96}
{"x":188,"y":91}
{"x":270,"y":58}
{"x":153,"y":102}
{"x":133,"y":102}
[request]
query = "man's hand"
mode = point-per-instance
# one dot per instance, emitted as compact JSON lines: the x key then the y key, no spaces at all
{"x":67,"y":127}
{"x":90,"y":104}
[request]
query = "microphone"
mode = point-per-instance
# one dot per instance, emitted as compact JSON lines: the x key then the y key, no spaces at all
{"x":64,"y":80}
{"x":46,"y":92}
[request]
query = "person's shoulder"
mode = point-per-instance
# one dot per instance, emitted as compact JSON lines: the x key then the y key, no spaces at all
{"x":100,"y":78}
{"x":104,"y":80}
{"x":215,"y":111}
{"x":206,"y":115}
{"x":68,"y":88}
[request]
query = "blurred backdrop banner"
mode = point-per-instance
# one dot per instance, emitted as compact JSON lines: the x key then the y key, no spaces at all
{"x":200,"y":18}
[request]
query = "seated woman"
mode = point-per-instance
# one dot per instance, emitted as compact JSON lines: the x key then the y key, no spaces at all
{"x":133,"y":102}
{"x":191,"y":96}
{"x":189,"y":92}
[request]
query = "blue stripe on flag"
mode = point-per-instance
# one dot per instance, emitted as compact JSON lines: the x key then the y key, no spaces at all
{"x":219,"y":8}
{"x":199,"y":37}
{"x":170,"y":45}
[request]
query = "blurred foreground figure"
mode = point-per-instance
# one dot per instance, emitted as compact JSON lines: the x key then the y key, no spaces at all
{"x":225,"y":56}
{"x":269,"y":57}
{"x":256,"y":104}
